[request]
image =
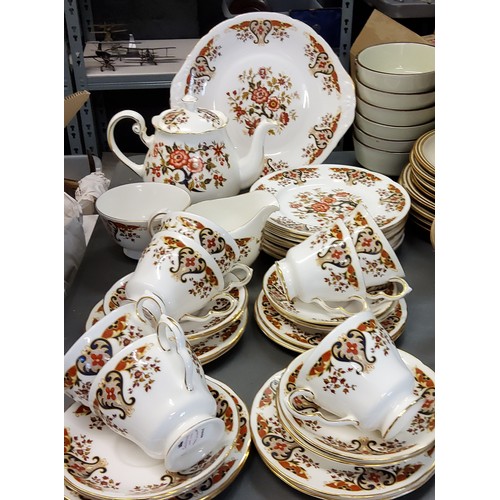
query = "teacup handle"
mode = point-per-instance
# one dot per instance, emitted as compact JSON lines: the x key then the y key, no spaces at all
{"x":341,"y":309}
{"x":312,"y":412}
{"x":214,"y":314}
{"x":239,"y":275}
{"x":149,"y":314}
{"x":151,"y":220}
{"x":170,"y":337}
{"x":406,"y":289}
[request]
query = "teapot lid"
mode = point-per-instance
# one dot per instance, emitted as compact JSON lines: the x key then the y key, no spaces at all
{"x":188,"y":119}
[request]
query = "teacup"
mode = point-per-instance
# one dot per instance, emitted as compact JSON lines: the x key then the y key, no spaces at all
{"x":378,"y":261}
{"x":179,"y":271}
{"x":154,"y":393}
{"x":109,"y":335}
{"x":357,"y":376}
{"x":324,"y":267}
{"x":212,"y":237}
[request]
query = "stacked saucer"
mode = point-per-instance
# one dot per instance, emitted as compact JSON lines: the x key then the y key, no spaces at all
{"x":418,"y":178}
{"x":343,"y":461}
{"x":313,"y":197}
{"x":101,"y":464}
{"x":210,"y":332}
{"x":299,"y":326}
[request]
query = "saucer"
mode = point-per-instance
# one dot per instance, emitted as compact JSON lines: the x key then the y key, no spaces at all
{"x":101,"y":464}
{"x":219,"y":342}
{"x":199,"y":330}
{"x":95,"y":315}
{"x":349,"y":444}
{"x":290,"y":334}
{"x":192,"y":329}
{"x":310,"y":313}
{"x":313,"y":474}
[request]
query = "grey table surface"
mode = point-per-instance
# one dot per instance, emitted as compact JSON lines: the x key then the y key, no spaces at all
{"x":255,"y":357}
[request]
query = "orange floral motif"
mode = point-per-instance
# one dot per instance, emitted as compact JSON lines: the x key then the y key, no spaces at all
{"x":194,"y":167}
{"x":263,"y":95}
{"x":178,"y":158}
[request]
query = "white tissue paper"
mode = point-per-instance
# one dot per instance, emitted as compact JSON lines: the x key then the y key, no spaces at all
{"x":74,"y":238}
{"x":79,"y":220}
{"x":89,"y":189}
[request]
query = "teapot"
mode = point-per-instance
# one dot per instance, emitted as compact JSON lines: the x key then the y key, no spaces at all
{"x":191,"y":149}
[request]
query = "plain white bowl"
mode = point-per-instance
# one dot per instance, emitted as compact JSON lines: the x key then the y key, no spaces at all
{"x":125,"y":211}
{"x":384,"y":144}
{"x":393,"y":100}
{"x":399,"y":117}
{"x":392,"y":132}
{"x":405,"y":67}
{"x":377,"y":160}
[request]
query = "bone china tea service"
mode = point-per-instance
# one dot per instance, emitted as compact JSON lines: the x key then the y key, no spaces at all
{"x":234,"y":176}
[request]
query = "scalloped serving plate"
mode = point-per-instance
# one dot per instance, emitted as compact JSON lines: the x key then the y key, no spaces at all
{"x":268,"y":65}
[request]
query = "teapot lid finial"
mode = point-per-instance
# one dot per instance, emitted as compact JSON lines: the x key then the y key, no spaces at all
{"x":189,"y":102}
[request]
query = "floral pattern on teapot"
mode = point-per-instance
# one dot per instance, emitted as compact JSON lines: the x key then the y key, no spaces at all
{"x":175,"y":118}
{"x":194,"y":167}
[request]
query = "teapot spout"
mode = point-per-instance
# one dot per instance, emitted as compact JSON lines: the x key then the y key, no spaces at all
{"x":251,"y":165}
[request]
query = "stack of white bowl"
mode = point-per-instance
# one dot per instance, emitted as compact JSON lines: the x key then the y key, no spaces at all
{"x":394,"y":103}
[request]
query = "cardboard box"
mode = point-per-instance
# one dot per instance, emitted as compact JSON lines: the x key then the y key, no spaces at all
{"x":73,"y":103}
{"x":382,"y":29}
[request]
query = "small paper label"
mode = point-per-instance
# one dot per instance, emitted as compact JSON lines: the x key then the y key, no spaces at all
{"x":191,"y":439}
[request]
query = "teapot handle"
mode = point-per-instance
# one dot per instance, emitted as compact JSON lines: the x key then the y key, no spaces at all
{"x":139,"y":127}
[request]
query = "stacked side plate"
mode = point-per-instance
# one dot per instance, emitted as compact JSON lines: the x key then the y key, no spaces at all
{"x":418,"y":178}
{"x":312,"y":197}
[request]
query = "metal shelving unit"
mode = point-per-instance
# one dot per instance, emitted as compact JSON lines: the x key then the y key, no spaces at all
{"x":74,"y":60}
